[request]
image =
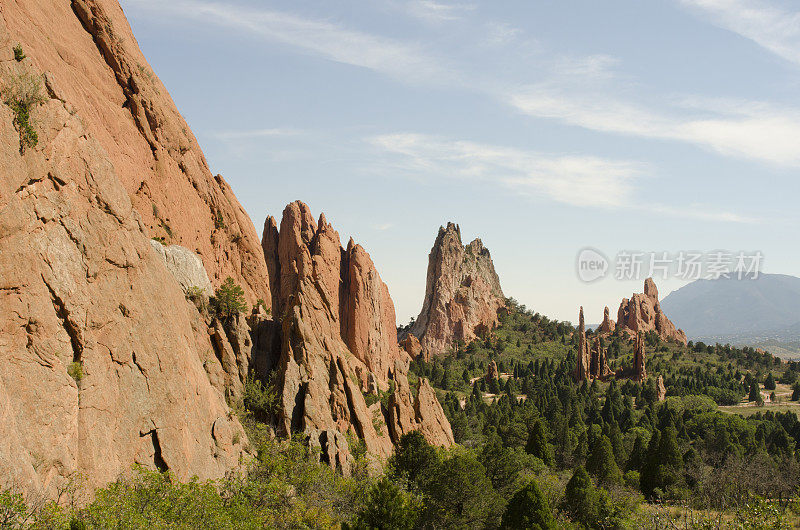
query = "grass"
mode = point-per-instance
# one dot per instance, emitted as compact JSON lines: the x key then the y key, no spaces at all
{"x":23,"y":93}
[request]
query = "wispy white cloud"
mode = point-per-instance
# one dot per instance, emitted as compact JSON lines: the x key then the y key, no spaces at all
{"x":771,"y":27}
{"x":585,"y":91}
{"x":436,"y":11}
{"x":382,"y":227}
{"x":576,"y":180}
{"x":501,"y":33}
{"x":569,"y":179}
{"x":406,"y":61}
{"x":255,"y":134}
{"x":745,"y":129}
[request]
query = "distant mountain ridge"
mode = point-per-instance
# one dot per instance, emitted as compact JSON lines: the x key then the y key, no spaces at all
{"x":760,"y":311}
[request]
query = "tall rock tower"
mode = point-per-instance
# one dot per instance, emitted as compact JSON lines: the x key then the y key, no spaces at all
{"x":462,"y":293}
{"x":583,"y":365}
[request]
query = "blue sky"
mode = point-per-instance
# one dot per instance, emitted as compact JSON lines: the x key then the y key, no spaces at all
{"x":541,"y":127}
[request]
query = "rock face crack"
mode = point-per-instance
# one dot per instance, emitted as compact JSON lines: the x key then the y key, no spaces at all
{"x":73,"y":330}
{"x":158,"y":459}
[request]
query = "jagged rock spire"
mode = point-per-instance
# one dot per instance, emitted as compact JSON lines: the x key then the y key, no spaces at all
{"x":462,"y":293}
{"x":640,"y":370}
{"x":583,"y":368}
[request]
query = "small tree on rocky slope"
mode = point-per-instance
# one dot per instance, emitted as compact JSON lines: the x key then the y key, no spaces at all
{"x":228,"y":300}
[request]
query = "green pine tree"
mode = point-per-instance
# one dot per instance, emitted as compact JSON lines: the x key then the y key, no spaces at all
{"x":602,"y":464}
{"x":538,"y":445}
{"x":528,"y":509}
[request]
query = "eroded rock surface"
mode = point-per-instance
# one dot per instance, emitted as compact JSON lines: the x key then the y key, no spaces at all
{"x":93,"y":64}
{"x":103,"y":357}
{"x":462,"y":293}
{"x":185,"y":266}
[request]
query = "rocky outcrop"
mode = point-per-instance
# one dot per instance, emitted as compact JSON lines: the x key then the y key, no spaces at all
{"x":105,"y":364}
{"x":338,"y":339}
{"x":412,"y":347}
{"x":598,"y":366}
{"x":185,"y":267}
{"x":583,"y":363}
{"x":642,"y":313}
{"x":639,"y":368}
{"x":608,"y":325}
{"x":423,"y":412}
{"x":592,"y":362}
{"x":462,"y":293}
{"x":94,"y":66}
{"x":661,"y":390}
{"x":492,"y":372}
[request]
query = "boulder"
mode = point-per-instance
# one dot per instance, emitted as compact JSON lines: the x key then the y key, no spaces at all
{"x":639,"y":368}
{"x":608,"y":326}
{"x":583,"y":363}
{"x":413,"y":348}
{"x":492,"y":372}
{"x":661,"y":390}
{"x":96,"y":68}
{"x":185,"y":266}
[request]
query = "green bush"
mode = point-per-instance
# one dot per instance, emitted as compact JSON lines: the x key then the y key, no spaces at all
{"x":22,"y":93}
{"x":228,"y":300}
{"x":75,"y":371}
{"x":19,"y":55}
{"x":388,"y":506}
{"x":260,"y":399}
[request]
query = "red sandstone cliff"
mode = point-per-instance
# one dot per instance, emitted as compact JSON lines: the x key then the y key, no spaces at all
{"x":105,"y":363}
{"x":339,"y":342}
{"x":94,"y":65}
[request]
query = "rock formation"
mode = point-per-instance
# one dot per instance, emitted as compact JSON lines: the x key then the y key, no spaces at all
{"x":642,"y":313}
{"x":413,"y":348}
{"x":639,"y":368}
{"x":338,"y":337}
{"x":661,"y":390}
{"x":492,"y":372}
{"x":608,"y":325}
{"x":105,"y":364}
{"x":598,"y":366}
{"x":462,"y":293}
{"x":583,"y":365}
{"x":96,"y":69}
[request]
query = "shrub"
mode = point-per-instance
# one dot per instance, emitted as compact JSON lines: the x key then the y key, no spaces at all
{"x":75,"y":371}
{"x":23,"y":92}
{"x":228,"y":300}
{"x":388,"y":506}
{"x":260,"y":399}
{"x":197,"y":296}
{"x":19,"y":55}
{"x":219,"y":221}
{"x":263,"y":304}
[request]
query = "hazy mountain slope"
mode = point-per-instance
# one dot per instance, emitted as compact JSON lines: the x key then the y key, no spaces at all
{"x":731,"y":307}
